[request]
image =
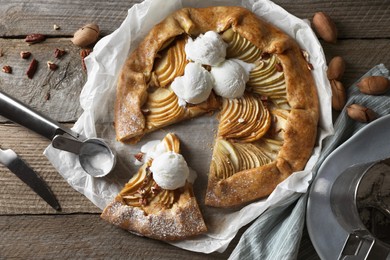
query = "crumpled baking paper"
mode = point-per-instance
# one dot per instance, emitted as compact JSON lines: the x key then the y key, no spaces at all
{"x":98,"y":96}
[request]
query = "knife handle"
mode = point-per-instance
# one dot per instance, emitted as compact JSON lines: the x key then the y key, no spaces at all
{"x":26,"y":116}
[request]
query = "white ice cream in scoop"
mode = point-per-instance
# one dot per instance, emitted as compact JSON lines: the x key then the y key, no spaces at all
{"x":195,"y":85}
{"x":170,"y":170}
{"x":206,"y":49}
{"x":230,"y":78}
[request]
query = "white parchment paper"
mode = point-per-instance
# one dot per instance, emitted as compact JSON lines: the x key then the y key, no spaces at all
{"x":97,"y":100}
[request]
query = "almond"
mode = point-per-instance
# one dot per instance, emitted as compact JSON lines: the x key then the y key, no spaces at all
{"x":325,"y":27}
{"x":336,"y":68}
{"x":374,"y":85}
{"x":361,"y":113}
{"x":339,"y":96}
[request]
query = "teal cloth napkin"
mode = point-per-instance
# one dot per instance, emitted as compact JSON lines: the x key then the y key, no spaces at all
{"x":277,"y":233}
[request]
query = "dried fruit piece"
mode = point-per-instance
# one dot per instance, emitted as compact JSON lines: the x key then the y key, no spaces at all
{"x":339,"y":96}
{"x":374,"y":85}
{"x":58,"y":53}
{"x":32,"y":68}
{"x":7,"y":69}
{"x":86,"y":35}
{"x":336,"y":68}
{"x":35,"y":38}
{"x":52,"y":66}
{"x":325,"y":27}
{"x":25,"y":54}
{"x":361,"y":113}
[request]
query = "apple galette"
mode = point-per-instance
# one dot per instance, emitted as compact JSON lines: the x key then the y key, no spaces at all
{"x":225,"y":58}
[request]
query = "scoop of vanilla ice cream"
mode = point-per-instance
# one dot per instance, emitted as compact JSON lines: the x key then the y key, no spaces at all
{"x":206,"y":49}
{"x":230,"y":78}
{"x":195,"y":85}
{"x":170,"y":170}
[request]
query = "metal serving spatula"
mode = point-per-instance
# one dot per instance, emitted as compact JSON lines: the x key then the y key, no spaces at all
{"x":16,"y":165}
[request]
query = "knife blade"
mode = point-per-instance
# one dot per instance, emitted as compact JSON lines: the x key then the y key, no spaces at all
{"x":16,"y":165}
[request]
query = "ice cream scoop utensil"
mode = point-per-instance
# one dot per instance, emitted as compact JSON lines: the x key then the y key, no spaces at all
{"x":91,"y":151}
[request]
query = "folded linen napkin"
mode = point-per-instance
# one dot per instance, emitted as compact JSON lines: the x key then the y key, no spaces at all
{"x":277,"y":233}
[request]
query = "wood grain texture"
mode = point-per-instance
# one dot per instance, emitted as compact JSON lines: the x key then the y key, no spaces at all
{"x":64,"y":85}
{"x":353,"y":19}
{"x":82,"y":237}
{"x":21,"y":17}
{"x":16,"y":197}
{"x":362,"y":19}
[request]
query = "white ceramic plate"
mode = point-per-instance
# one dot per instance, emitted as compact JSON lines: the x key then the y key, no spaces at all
{"x":369,"y":144}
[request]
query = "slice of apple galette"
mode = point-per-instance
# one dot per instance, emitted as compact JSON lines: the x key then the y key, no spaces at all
{"x":158,"y":201}
{"x":225,"y":58}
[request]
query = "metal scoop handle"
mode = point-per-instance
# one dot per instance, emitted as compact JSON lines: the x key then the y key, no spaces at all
{"x":26,"y":116}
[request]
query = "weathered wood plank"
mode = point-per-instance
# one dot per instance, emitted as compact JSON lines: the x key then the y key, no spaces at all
{"x":82,"y":237}
{"x":363,"y":19}
{"x":353,"y":19}
{"x":25,"y":17}
{"x":16,"y":197}
{"x":64,"y":85}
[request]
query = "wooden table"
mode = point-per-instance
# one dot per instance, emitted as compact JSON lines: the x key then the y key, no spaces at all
{"x":29,"y":228}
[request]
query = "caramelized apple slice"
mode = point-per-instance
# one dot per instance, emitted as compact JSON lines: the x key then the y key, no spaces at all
{"x":240,"y":48}
{"x":142,"y":190}
{"x":171,"y":64}
{"x":245,"y":119}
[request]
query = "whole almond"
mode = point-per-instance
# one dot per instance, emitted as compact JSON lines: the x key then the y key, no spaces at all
{"x":361,"y":113}
{"x":374,"y":85}
{"x":336,"y":68}
{"x":339,"y":96}
{"x":325,"y":27}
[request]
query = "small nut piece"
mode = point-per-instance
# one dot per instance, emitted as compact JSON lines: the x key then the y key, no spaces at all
{"x":25,"y":54}
{"x":325,"y":27}
{"x":84,"y":53}
{"x":361,"y":113}
{"x":86,"y":35}
{"x":52,"y":66}
{"x":339,"y":96}
{"x":35,"y":38}
{"x":7,"y":69}
{"x":374,"y":85}
{"x":336,"y":68}
{"x":58,"y":53}
{"x":32,"y":68}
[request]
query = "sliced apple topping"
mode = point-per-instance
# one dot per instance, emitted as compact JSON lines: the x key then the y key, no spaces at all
{"x":245,"y":119}
{"x":267,"y":80}
{"x":162,"y":106}
{"x":171,"y":64}
{"x":231,"y":157}
{"x":142,"y":190}
{"x":225,"y":161}
{"x":240,"y":48}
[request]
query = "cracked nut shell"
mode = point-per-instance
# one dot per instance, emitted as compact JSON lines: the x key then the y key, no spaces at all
{"x":361,"y":113}
{"x":374,"y":85}
{"x":86,"y":35}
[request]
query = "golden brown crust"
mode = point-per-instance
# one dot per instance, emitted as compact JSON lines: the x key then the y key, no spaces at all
{"x":182,"y":221}
{"x":301,"y":128}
